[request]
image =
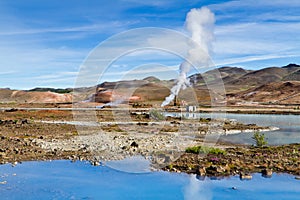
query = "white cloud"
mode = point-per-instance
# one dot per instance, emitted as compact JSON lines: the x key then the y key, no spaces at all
{"x":56,"y":75}
{"x":100,"y":27}
{"x":257,"y":41}
{"x":244,"y":59}
{"x":246,"y":30}
{"x":238,"y":4}
{"x":7,"y":72}
{"x":145,"y":69}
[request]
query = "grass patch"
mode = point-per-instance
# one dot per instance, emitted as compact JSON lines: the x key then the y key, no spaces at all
{"x":156,"y":115}
{"x":205,"y":150}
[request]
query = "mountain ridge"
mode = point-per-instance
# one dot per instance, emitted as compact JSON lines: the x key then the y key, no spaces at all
{"x":236,"y":80}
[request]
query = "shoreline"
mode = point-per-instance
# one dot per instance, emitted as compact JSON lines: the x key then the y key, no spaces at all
{"x":232,"y":132}
{"x":25,"y":138}
{"x":276,"y":110}
{"x":242,"y":161}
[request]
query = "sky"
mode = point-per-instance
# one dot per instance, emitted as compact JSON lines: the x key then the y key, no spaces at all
{"x":46,"y":43}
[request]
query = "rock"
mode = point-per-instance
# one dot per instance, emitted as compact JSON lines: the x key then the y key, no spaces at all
{"x":201,"y":178}
{"x":201,"y":171}
{"x":96,"y":163}
{"x":11,"y":110}
{"x":221,"y":169}
{"x":245,"y":176}
{"x":14,"y":164}
{"x":3,"y":182}
{"x":24,"y":121}
{"x":267,"y":173}
{"x":212,"y":170}
{"x":134,"y":144}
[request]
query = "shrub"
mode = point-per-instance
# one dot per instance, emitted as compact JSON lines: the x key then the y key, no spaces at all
{"x":259,"y":139}
{"x":205,"y":120}
{"x":205,"y":150}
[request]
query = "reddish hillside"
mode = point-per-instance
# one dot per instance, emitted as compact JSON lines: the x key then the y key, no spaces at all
{"x":20,"y":96}
{"x":273,"y":84}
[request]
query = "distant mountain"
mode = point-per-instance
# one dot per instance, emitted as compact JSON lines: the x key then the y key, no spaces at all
{"x":292,"y":66}
{"x":151,"y":79}
{"x":293,"y":76}
{"x":132,"y":83}
{"x":59,"y":90}
{"x":148,"y":89}
{"x":262,"y":76}
{"x":282,"y":92}
{"x":122,"y":84}
{"x":227,"y":74}
{"x":236,"y":78}
{"x":232,"y":73}
{"x":20,"y":96}
{"x":272,"y":84}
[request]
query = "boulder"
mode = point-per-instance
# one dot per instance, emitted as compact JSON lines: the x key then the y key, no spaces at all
{"x":201,"y":171}
{"x":134,"y":144}
{"x":245,"y":176}
{"x":267,"y":173}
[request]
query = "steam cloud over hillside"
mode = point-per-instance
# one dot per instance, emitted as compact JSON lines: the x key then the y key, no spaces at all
{"x":199,"y":22}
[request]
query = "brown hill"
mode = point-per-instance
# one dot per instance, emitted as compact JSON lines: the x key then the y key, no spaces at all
{"x":293,"y":76}
{"x":135,"y":92}
{"x":283,"y":92}
{"x":20,"y":96}
{"x":260,"y":77}
{"x":292,"y":67}
{"x":151,"y":79}
{"x":263,"y":85}
{"x":227,"y":74}
{"x":123,"y":84}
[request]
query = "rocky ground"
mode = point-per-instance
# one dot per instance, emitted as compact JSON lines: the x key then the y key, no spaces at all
{"x":19,"y":141}
{"x":241,"y":161}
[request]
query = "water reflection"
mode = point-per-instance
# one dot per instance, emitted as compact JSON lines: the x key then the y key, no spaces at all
{"x":80,"y":180}
{"x":288,"y":133}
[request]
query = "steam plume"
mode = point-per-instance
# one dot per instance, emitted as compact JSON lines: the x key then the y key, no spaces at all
{"x":197,"y":189}
{"x":199,"y":22}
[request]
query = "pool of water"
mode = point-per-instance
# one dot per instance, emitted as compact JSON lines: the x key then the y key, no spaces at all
{"x":288,"y":133}
{"x":79,"y":180}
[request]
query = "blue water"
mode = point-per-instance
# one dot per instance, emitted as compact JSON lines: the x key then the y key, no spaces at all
{"x":288,"y":133}
{"x":80,"y":180}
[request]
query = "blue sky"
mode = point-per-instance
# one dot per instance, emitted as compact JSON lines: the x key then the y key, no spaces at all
{"x":44,"y":43}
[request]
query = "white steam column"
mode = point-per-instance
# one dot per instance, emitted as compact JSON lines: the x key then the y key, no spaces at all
{"x":200,"y":23}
